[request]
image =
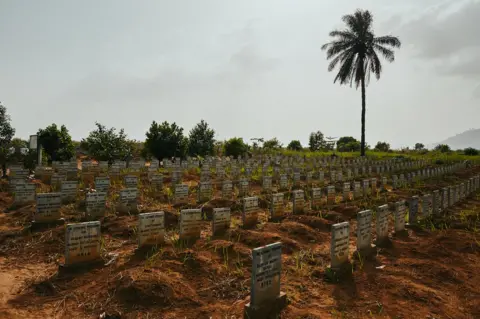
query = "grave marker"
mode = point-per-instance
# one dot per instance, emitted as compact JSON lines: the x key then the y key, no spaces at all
{"x":24,"y":193}
{"x":227,"y":189}
{"x":48,"y":207}
{"x":382,"y":224}
{"x":266,"y":300}
{"x":427,"y":207}
{"x":190,"y":223}
{"x":316,"y":198}
{"x":400,"y":212}
{"x":181,"y":194}
{"x":130,"y":181}
{"x":95,"y":204}
{"x":69,"y":190}
{"x":339,"y":245}
{"x":205,"y":191}
{"x":277,"y":209}
{"x":364,"y":233}
{"x":250,"y":211}
{"x":298,"y":201}
{"x":82,"y":242}
{"x":102,"y":184}
{"x":151,"y":229}
{"x":220,"y":220}
{"x":331,"y":196}
{"x":413,"y":210}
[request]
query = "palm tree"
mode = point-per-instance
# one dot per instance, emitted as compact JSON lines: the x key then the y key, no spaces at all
{"x":356,"y":50}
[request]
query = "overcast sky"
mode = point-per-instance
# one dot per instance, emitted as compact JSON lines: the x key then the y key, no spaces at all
{"x":250,"y":68}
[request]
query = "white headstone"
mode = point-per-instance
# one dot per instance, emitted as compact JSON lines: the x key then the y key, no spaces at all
{"x":151,"y":229}
{"x":82,"y":242}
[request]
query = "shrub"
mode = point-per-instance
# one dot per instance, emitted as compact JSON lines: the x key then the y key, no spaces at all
{"x":470,"y":151}
{"x":348,"y":144}
{"x":382,"y":147}
{"x":295,"y":145}
{"x":235,"y":147}
{"x":166,"y":140}
{"x":443,"y":148}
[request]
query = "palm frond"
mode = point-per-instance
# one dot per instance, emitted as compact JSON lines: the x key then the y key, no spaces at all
{"x":335,"y":47}
{"x":344,"y":35}
{"x":388,"y":54}
{"x":344,"y":73}
{"x":388,"y":40}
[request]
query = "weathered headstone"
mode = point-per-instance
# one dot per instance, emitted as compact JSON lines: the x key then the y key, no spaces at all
{"x":243,"y":187}
{"x":250,"y":211}
{"x":298,"y":201}
{"x":347,"y":194}
{"x":339,"y":245}
{"x":316,"y":198}
{"x":400,"y":212}
{"x":283,"y":181}
{"x":24,"y":193}
{"x":220,"y":220}
{"x":382,"y":224}
{"x":227,"y":189}
{"x":266,"y":299}
{"x":331,"y":195}
{"x":190,"y":223}
{"x":364,"y":233}
{"x":95,"y":204}
{"x":181,"y":194}
{"x":128,"y":200}
{"x":130,"y":181}
{"x":427,"y":207}
{"x":68,"y":190}
{"x":267,"y":183}
{"x":277,"y":209}
{"x":82,"y":243}
{"x":151,"y":229}
{"x":48,"y":207}
{"x":413,"y":210}
{"x":102,"y":184}
{"x":205,"y":191}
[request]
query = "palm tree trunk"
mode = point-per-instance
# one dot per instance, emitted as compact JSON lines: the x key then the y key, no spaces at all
{"x":362,"y":145}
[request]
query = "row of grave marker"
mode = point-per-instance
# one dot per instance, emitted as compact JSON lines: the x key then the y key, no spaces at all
{"x":82,"y":240}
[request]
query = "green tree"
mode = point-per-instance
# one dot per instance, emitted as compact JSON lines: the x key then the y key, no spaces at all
{"x":356,"y":50}
{"x":6,"y":134}
{"x":201,"y":141}
{"x":443,"y":148}
{"x":235,"y":147}
{"x":107,"y":144}
{"x":316,"y":141}
{"x":470,"y":151}
{"x":272,"y":144}
{"x":419,"y":146}
{"x":382,"y":147}
{"x":166,"y":140}
{"x":295,"y":145}
{"x":348,"y":144}
{"x":57,"y":143}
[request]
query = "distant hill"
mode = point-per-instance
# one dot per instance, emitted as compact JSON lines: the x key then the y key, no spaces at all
{"x":470,"y":138}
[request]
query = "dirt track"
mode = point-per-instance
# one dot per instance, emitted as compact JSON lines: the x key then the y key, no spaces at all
{"x":429,"y":274}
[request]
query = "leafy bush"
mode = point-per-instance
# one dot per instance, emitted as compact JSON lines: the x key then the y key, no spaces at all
{"x":272,"y":144}
{"x":57,"y":143}
{"x":235,"y":147}
{"x":382,"y":147}
{"x":166,"y":140}
{"x":443,"y":148}
{"x":295,"y":145}
{"x":201,"y":140}
{"x":470,"y":151}
{"x":106,"y":144}
{"x":348,"y":144}
{"x":419,"y":146}
{"x":316,"y":141}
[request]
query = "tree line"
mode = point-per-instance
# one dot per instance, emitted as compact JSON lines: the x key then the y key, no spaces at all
{"x":162,"y":140}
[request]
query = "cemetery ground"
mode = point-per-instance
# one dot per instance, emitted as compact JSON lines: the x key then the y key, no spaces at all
{"x":433,"y":271}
